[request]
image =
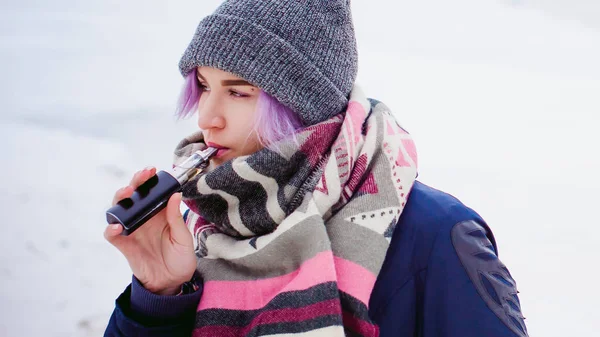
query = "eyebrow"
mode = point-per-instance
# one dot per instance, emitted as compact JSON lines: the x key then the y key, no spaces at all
{"x":228,"y":82}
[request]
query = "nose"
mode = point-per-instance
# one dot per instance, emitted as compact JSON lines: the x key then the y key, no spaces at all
{"x":210,"y":113}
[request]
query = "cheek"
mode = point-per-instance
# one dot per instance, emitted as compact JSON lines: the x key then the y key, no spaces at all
{"x":243,"y":114}
{"x":247,"y":116}
{"x":243,"y":121}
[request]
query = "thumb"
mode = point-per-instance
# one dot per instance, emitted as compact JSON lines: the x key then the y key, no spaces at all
{"x":179,"y":231}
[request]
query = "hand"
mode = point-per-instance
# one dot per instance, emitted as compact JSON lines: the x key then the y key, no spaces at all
{"x":161,"y":252}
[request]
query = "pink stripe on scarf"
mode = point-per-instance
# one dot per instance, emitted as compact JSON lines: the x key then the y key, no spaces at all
{"x":355,"y":117}
{"x":252,"y":295}
{"x":354,"y":279}
{"x":409,"y":145}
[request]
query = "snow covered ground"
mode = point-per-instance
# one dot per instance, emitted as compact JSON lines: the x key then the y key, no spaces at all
{"x":502,"y":98}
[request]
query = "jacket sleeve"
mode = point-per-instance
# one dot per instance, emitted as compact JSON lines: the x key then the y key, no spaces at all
{"x":468,"y":291}
{"x":138,"y":312}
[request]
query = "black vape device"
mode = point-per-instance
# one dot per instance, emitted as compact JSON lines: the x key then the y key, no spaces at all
{"x":152,"y":196}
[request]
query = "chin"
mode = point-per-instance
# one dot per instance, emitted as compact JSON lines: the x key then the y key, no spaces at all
{"x":221,"y":160}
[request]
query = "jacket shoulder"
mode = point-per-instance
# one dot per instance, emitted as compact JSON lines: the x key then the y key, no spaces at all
{"x":428,"y":217}
{"x":442,"y":271}
{"x":430,"y":211}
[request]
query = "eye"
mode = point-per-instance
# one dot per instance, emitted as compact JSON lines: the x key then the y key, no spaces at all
{"x":202,"y":86}
{"x":237,"y":94}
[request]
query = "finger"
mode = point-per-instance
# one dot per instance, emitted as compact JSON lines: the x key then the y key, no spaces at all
{"x":179,"y":231}
{"x":141,"y":176}
{"x":112,"y":233}
{"x":138,"y":178}
{"x":122,"y":193}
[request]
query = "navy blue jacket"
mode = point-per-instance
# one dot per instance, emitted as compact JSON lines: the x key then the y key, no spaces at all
{"x":441,"y":277}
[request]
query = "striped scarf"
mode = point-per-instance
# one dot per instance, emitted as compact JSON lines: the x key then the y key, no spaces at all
{"x":291,"y":242}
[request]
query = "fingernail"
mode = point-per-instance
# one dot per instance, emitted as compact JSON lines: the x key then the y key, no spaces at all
{"x":148,"y":168}
{"x":114,"y":226}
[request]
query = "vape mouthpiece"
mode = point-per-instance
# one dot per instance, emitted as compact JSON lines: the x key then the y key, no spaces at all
{"x":192,"y":166}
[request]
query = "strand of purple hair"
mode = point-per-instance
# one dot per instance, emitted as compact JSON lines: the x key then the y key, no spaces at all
{"x":189,"y":97}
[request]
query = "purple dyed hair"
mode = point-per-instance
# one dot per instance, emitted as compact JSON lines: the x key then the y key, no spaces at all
{"x":274,"y":121}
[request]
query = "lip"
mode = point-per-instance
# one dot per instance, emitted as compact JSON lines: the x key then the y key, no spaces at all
{"x":221,"y":150}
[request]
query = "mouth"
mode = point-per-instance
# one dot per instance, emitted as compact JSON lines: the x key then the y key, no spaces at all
{"x":221,"y":150}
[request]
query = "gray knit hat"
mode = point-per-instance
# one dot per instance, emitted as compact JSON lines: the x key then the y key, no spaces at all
{"x":302,"y":52}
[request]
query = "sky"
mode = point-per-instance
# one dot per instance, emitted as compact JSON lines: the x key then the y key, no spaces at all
{"x":501,"y":97}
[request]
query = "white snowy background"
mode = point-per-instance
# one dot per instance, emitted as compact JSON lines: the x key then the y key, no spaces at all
{"x":502,"y":97}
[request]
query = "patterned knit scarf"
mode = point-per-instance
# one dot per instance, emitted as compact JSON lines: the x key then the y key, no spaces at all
{"x":292,"y":242}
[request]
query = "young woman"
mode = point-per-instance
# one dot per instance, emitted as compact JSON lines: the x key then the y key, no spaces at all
{"x":309,"y":221}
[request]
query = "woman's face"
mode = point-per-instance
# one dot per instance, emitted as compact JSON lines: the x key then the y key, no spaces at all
{"x":226,"y":114}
